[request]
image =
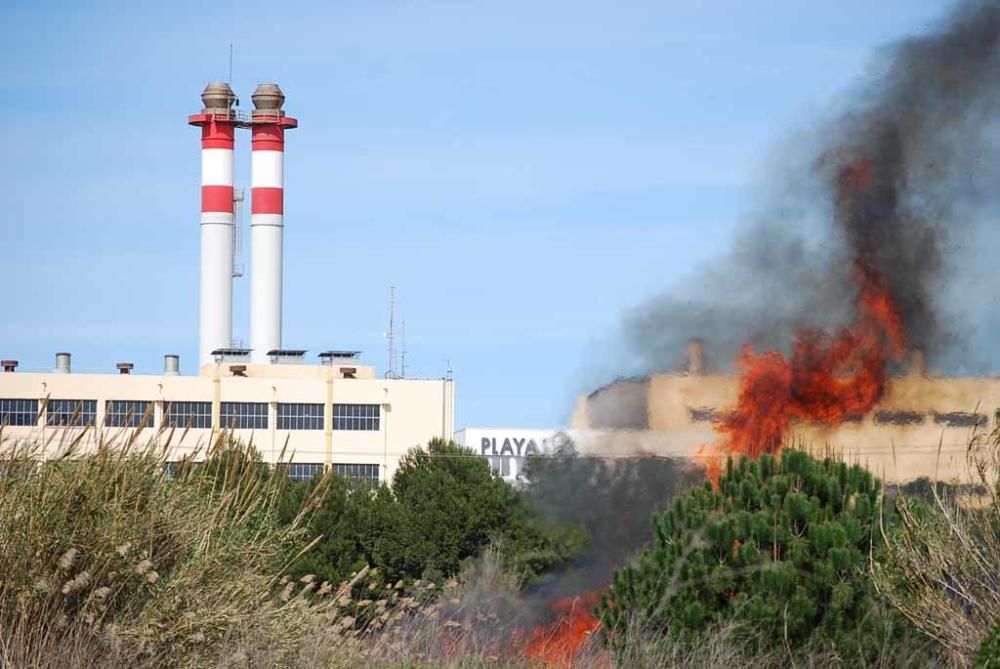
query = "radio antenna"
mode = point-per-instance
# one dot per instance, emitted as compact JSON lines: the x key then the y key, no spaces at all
{"x":391,"y":335}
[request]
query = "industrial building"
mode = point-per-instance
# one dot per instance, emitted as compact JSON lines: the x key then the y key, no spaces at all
{"x":332,"y":412}
{"x":920,"y":428}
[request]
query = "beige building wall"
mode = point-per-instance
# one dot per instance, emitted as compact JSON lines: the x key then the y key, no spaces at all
{"x":683,"y":409}
{"x":411,"y":411}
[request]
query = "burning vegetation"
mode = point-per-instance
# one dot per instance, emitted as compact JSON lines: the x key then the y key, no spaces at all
{"x":558,"y":643}
{"x":826,"y":379}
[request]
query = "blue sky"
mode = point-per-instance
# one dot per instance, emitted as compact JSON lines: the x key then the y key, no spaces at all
{"x":522,"y":171}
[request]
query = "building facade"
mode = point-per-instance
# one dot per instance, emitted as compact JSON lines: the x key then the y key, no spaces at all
{"x":921,"y":427}
{"x":309,"y":417}
{"x":306,"y":417}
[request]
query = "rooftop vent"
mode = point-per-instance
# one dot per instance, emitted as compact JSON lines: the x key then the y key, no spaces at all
{"x":9,"y":365}
{"x":349,"y":372}
{"x":171,"y":365}
{"x":286,"y":356}
{"x":224,"y":355}
{"x":238,"y":370}
{"x":62,"y":363}
{"x":336,"y":357}
{"x":125,"y":367}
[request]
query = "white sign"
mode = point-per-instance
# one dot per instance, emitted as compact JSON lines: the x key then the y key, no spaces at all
{"x":507,"y":449}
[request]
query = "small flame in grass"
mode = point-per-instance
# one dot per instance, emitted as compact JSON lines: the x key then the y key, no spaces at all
{"x":709,"y":456}
{"x":557,"y":644}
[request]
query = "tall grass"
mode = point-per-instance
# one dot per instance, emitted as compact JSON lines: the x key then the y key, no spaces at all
{"x":941,"y":567}
{"x":107,"y":561}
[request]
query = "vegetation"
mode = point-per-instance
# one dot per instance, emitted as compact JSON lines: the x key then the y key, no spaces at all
{"x":941,"y":566}
{"x":442,"y":508}
{"x":988,"y":655}
{"x":778,"y":553}
{"x":108,"y":561}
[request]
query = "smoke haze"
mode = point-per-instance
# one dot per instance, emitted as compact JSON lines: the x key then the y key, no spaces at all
{"x":922,"y":142}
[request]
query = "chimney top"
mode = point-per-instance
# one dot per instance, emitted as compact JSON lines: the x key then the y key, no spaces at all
{"x":218,"y":98}
{"x":9,"y":365}
{"x":124,"y":367}
{"x":267,"y":100}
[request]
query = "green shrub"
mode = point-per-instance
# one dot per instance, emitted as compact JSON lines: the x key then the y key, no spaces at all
{"x":443,"y":507}
{"x":988,"y":656}
{"x":779,"y":549}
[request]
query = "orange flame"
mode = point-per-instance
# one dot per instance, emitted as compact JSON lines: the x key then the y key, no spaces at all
{"x":558,"y":644}
{"x":826,"y":380}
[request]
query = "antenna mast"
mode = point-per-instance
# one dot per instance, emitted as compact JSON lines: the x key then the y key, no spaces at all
{"x":402,"y":355}
{"x":391,"y":335}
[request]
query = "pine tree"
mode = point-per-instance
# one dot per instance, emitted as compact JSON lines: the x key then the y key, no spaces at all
{"x":780,"y":548}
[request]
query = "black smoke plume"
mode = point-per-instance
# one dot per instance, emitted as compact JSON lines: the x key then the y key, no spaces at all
{"x":923,"y":142}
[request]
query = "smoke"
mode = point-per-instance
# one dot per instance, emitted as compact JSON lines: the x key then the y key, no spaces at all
{"x":612,"y":498}
{"x":903,"y":184}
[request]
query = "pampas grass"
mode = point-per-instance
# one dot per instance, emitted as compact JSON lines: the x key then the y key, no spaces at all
{"x":941,"y":568}
{"x":107,"y":561}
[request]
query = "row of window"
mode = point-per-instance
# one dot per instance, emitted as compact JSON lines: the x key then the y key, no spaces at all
{"x":181,"y":414}
{"x":362,"y":475}
{"x":948,"y":419}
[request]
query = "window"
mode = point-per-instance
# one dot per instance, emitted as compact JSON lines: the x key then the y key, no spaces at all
{"x":899,"y":418}
{"x":703,"y":415}
{"x":365,"y":476}
{"x":303,"y":471}
{"x":170,"y":469}
{"x":300,"y":416}
{"x":183,"y":415}
{"x":19,"y":412}
{"x":356,"y":416}
{"x":244,"y":415}
{"x":960,"y":419}
{"x":71,"y":413}
{"x":127,"y":413}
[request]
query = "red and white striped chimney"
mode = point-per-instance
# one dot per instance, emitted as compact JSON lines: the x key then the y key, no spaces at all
{"x":267,"y":181}
{"x":218,"y":123}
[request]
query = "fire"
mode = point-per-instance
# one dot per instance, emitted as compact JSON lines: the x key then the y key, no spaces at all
{"x":557,"y":644}
{"x":827,"y":378}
